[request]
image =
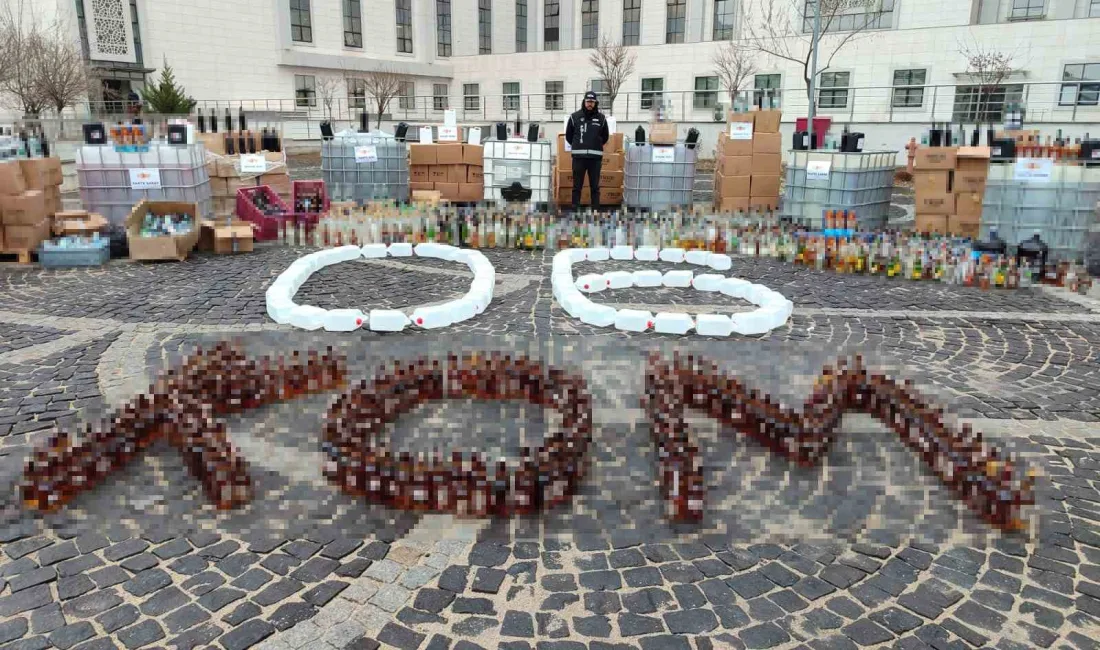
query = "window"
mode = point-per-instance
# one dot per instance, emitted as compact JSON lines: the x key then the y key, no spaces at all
{"x":353,"y":23}
{"x":652,"y":90}
{"x":590,"y":23}
{"x":855,"y":16}
{"x":305,"y":90}
{"x":443,"y":27}
{"x":301,"y":26}
{"x":406,"y":96}
{"x":471,"y":97}
{"x":599,"y":86}
{"x":554,"y":99}
{"x":632,"y":21}
{"x":551,"y":15}
{"x":674,"y":21}
{"x":723,"y":20}
{"x":1081,"y":94}
{"x":909,"y":88}
{"x":985,"y":103}
{"x":706,"y":92}
{"x":766,"y":86}
{"x":521,"y":25}
{"x":1094,"y":9}
{"x":1027,"y":9}
{"x":439,"y":97}
{"x":485,"y":26}
{"x":834,"y":90}
{"x":511,"y":95}
{"x":404,"y":26}
{"x":357,"y":93}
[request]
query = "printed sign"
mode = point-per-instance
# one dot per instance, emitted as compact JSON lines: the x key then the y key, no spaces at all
{"x":1034,"y":169}
{"x":664,"y":154}
{"x":818,"y":170}
{"x":367,"y":153}
{"x":517,"y":150}
{"x":425,"y":135}
{"x":145,"y":179}
{"x":450,"y":117}
{"x":473,"y":136}
{"x":448,"y":134}
{"x":253,"y":163}
{"x":740,"y":130}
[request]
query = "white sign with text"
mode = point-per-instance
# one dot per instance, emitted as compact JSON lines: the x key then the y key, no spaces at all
{"x":145,"y":179}
{"x":253,"y":163}
{"x":448,"y":134}
{"x":818,"y":170}
{"x":367,"y":153}
{"x":664,"y":154}
{"x":740,"y":130}
{"x":1034,"y":169}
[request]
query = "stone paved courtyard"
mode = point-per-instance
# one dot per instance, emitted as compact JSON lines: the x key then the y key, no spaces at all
{"x":867,"y":550}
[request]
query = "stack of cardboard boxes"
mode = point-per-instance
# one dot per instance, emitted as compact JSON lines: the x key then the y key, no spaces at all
{"x":454,"y":170}
{"x":611,"y":174}
{"x":749,"y":162}
{"x":949,"y":183}
{"x":29,"y":196}
{"x":226,"y":178}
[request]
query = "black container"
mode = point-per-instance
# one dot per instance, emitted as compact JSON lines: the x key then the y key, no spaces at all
{"x":177,"y":134}
{"x":801,"y":141}
{"x":1002,"y":150}
{"x":213,"y":121}
{"x":851,"y":142}
{"x":364,"y":122}
{"x":935,"y":136}
{"x":326,"y":130}
{"x":692,"y":138}
{"x":401,"y":132}
{"x":241,"y":124}
{"x":1034,"y":250}
{"x":202,"y":122}
{"x":532,"y":132}
{"x":228,"y":120}
{"x":502,"y":131}
{"x":994,"y":246}
{"x":95,"y":133}
{"x":1090,"y":152}
{"x":639,"y":135}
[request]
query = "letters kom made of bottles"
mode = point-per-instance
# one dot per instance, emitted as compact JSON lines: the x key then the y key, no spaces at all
{"x":184,"y":403}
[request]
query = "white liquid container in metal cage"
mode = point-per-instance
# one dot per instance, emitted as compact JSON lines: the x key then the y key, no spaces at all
{"x":659,"y":177}
{"x":517,"y":161}
{"x":365,"y":167}
{"x":832,"y":180}
{"x":1060,"y":206}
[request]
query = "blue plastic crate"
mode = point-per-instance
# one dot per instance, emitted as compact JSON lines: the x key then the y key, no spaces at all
{"x":94,"y":253}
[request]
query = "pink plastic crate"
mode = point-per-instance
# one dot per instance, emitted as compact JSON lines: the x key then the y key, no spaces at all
{"x":267,"y":226}
{"x":310,"y":186}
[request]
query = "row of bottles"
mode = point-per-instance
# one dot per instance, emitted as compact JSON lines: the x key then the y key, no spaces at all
{"x":361,"y":463}
{"x":992,"y":482}
{"x":180,"y":407}
{"x":29,"y":142}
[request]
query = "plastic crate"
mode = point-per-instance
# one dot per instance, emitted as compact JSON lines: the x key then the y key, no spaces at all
{"x":860,"y":182}
{"x":658,"y":185}
{"x":267,"y":226}
{"x":312,"y":186}
{"x":386,"y":178}
{"x":94,"y":253}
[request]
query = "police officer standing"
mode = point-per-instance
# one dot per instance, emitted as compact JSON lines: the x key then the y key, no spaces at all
{"x":586,"y":134}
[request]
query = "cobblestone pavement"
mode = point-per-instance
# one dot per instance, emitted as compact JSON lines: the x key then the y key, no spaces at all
{"x":868,"y":550}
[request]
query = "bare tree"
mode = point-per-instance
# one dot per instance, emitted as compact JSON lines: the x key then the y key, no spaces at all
{"x":784,"y":29}
{"x":327,"y":87}
{"x":382,"y":85}
{"x":23,"y":43}
{"x":614,"y":62}
{"x":61,"y":72}
{"x":989,"y":67}
{"x":734,"y":65}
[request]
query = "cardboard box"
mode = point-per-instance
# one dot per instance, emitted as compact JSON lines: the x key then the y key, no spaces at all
{"x":471,"y":192}
{"x":969,"y":181}
{"x":965,"y":228}
{"x":931,"y":182}
{"x":473,"y":154}
{"x":438,"y":174}
{"x":767,"y":164}
{"x":564,"y":157}
{"x":448,"y":191}
{"x":475,"y":175}
{"x":563,"y":178}
{"x":662,"y":132}
{"x":448,"y":154}
{"x":611,"y":195}
{"x":741,"y":117}
{"x":421,"y":187}
{"x":225,"y":206}
{"x":219,"y":186}
{"x":936,"y":203}
{"x":78,"y":223}
{"x":35,"y":173}
{"x":26,"y":209}
{"x":614,"y":143}
{"x":610,"y":179}
{"x":733,"y":204}
{"x":280,"y":183}
{"x":932,"y":223}
{"x":213,"y":142}
{"x":728,"y":148}
{"x":11,"y":178}
{"x":764,"y":203}
{"x":732,"y":186}
{"x":419,"y":174}
{"x":228,"y":167}
{"x":234,"y":184}
{"x":735,"y":165}
{"x":973,"y":158}
{"x":935,"y":158}
{"x":233,"y":237}
{"x":422,"y":154}
{"x":968,"y":206}
{"x":430,"y":197}
{"x":456,"y":173}
{"x":175,"y":247}
{"x":767,"y":143}
{"x":767,"y":121}
{"x":26,"y":237}
{"x":612,"y":162}
{"x":765,"y":186}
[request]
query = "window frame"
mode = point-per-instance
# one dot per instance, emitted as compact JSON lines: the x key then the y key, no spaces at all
{"x":834,"y":91}
{"x":634,"y":38}
{"x":510,"y":101}
{"x":406,"y":28}
{"x":444,"y":47}
{"x":355,"y":28}
{"x":467,"y":96}
{"x":907,"y":90}
{"x":521,"y":25}
{"x":554,"y":101}
{"x":438,"y":105}
{"x":1080,"y":87}
{"x":727,"y":32}
{"x":705,"y":99}
{"x":590,"y":31}
{"x":357,"y":93}
{"x":547,"y":15}
{"x":674,"y":36}
{"x":759,"y":92}
{"x":1009,"y":93}
{"x":305,"y":30}
{"x":649,"y":95}
{"x":597,"y":86}
{"x":484,"y":26}
{"x":882,"y":19}
{"x":406,"y":101}
{"x":1027,"y":10}
{"x":1093,"y":10}
{"x":309,"y":88}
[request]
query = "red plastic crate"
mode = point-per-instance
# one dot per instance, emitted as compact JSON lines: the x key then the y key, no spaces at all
{"x":267,"y":226}
{"x":313,"y":186}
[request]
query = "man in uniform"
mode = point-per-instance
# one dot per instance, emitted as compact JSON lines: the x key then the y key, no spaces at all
{"x":586,"y":134}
